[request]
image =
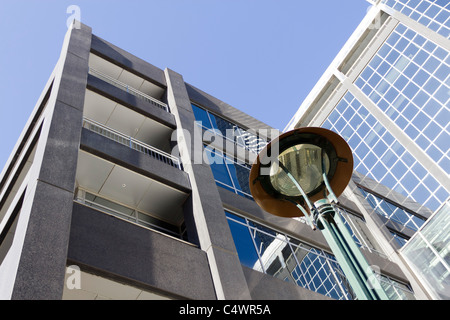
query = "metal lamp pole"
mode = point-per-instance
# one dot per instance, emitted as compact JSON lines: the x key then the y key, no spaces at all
{"x":360,"y":275}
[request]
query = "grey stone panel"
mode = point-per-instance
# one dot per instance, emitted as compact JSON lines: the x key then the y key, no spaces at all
{"x":126,"y":99}
{"x":127,"y":61}
{"x":266,"y":287}
{"x":138,"y":255}
{"x":72,"y":87}
{"x":80,"y":41}
{"x":134,"y":160}
{"x":232,"y":282}
{"x":61,"y":151}
{"x":41,"y":270}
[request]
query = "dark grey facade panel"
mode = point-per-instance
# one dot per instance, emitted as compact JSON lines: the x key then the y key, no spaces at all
{"x":266,"y":287}
{"x":41,"y":270}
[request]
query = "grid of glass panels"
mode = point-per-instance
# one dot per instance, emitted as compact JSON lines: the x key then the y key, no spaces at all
{"x":379,"y":156}
{"x":428,"y":252}
{"x":228,"y":130}
{"x":274,"y":253}
{"x":409,"y":79}
{"x":390,"y":211}
{"x":229,"y":173}
{"x":432,"y":14}
{"x":266,"y":250}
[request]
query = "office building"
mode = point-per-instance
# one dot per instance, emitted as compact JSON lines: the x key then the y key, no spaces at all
{"x":387,"y":93}
{"x":129,"y":183}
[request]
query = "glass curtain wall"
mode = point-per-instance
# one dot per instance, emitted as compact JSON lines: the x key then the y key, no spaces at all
{"x":378,"y":155}
{"x":428,"y":252}
{"x":432,"y":14}
{"x":390,"y":211}
{"x":286,"y":258}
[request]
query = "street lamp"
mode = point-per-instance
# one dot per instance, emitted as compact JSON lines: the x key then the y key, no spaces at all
{"x":302,"y":173}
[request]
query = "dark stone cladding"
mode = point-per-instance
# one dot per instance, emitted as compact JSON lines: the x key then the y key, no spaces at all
{"x":134,"y":160}
{"x":267,"y":287}
{"x":108,"y":245}
{"x":48,"y":202}
{"x":130,"y":101}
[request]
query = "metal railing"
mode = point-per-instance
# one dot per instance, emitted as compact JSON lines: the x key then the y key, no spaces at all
{"x":131,"y":142}
{"x":129,"y":89}
{"x":128,"y":214}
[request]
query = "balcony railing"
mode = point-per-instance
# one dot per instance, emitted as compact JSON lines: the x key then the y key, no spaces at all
{"x":131,"y":143}
{"x":126,"y":213}
{"x":129,"y":89}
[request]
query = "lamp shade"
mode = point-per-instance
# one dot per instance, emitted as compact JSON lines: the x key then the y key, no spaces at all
{"x":306,"y":153}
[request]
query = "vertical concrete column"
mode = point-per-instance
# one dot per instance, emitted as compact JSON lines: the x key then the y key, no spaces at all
{"x":47,"y":209}
{"x":205,"y":212}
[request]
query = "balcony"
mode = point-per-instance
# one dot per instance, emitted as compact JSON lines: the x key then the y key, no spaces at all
{"x":127,"y":81}
{"x":120,"y":118}
{"x":129,"y":89}
{"x":117,"y":190}
{"x":131,"y":143}
{"x":128,"y":213}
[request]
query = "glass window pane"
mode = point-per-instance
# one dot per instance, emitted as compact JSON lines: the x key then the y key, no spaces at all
{"x":218,"y":167}
{"x":244,"y":245}
{"x":201,"y":116}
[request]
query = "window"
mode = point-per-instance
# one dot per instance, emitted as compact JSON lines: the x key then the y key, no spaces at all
{"x":229,"y":173}
{"x":271,"y":252}
{"x":390,"y":211}
{"x":281,"y":256}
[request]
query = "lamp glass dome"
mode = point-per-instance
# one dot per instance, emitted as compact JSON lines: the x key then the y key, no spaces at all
{"x":304,"y":162}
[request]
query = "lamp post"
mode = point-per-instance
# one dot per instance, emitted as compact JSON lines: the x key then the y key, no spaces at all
{"x":301,"y":173}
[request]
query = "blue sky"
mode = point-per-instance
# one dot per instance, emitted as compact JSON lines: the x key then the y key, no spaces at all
{"x":262,"y":57}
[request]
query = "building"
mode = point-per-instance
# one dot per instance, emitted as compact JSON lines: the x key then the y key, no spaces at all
{"x":387,"y":93}
{"x":129,"y":183}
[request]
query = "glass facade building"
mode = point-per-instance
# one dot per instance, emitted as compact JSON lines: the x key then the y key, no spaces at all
{"x":105,"y":165}
{"x":387,"y":93}
{"x":390,"y":99}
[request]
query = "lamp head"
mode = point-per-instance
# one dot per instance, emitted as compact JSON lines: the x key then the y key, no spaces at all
{"x":306,"y":153}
